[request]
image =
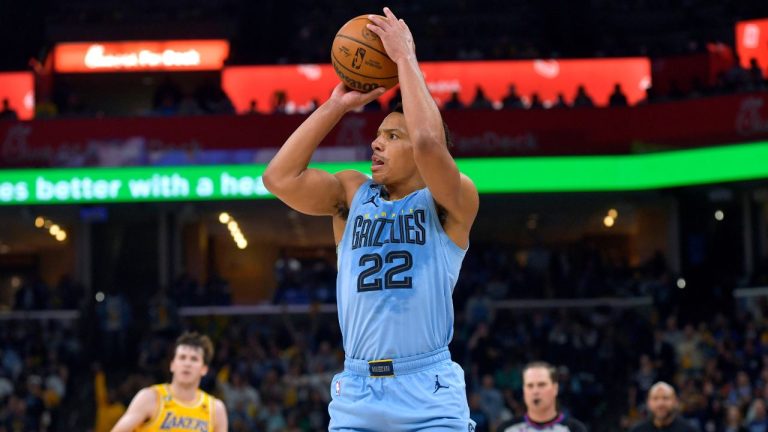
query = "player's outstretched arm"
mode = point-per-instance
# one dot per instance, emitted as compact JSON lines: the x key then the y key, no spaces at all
{"x":141,"y":409}
{"x":221,"y":423}
{"x":453,"y":191}
{"x":311,"y":191}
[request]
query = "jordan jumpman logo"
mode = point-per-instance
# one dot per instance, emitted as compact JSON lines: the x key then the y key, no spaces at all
{"x":438,"y":386}
{"x":371,"y":200}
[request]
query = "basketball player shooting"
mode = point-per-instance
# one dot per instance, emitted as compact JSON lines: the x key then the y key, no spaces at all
{"x":180,"y":405}
{"x":401,"y":238}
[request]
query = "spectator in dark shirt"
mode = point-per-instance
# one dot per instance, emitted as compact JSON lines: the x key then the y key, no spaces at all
{"x":454,"y":103}
{"x":536,"y":102}
{"x":662,"y":404}
{"x":8,"y":113}
{"x":480,"y":101}
{"x":252,"y":108}
{"x":618,"y":98}
{"x":561,"y":102}
{"x":582,"y":98}
{"x":279,"y":102}
{"x":756,"y":74}
{"x":512,"y":100}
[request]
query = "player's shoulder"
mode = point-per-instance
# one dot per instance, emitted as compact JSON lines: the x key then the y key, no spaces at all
{"x":146,"y":401}
{"x":350,"y":181}
{"x":151,"y":391}
{"x":468,"y":187}
{"x":219,"y":406}
{"x":351,"y":178}
{"x":466,"y":179}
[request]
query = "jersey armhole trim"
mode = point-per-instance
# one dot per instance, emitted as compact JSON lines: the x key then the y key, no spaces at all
{"x":212,"y":416}
{"x":158,"y":406}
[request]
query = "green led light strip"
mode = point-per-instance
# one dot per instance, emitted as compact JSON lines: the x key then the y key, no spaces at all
{"x":491,"y":175}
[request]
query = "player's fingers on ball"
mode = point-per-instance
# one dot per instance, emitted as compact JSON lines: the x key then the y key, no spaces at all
{"x":374,"y":28}
{"x":374,"y":94}
{"x":377,"y":19}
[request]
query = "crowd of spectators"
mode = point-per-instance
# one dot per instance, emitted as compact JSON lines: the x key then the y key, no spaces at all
{"x":500,"y":272}
{"x":273,"y":371}
{"x":454,"y":30}
{"x":210,"y":98}
{"x":36,"y":361}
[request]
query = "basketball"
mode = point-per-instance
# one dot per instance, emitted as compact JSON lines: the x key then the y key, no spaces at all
{"x":359,"y":58}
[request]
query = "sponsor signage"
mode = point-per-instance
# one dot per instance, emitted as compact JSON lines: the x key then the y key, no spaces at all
{"x":752,"y":42}
{"x":244,"y":139}
{"x":175,"y":55}
{"x":18,"y":88}
{"x":303,"y":84}
{"x":491,"y":175}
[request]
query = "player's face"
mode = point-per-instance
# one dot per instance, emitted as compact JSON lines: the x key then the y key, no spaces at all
{"x":187,"y":365}
{"x":662,"y":402}
{"x":392,"y":159}
{"x":538,"y":389}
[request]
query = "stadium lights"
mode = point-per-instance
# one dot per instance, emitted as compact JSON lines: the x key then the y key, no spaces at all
{"x":234,"y":229}
{"x":54,"y":229}
{"x":610,"y":219}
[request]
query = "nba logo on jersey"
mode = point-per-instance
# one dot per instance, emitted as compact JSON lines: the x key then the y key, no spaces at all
{"x":338,"y":388}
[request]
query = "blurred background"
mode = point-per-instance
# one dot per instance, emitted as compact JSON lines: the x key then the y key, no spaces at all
{"x":620,"y":148}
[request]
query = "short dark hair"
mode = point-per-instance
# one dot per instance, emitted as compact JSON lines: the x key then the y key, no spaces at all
{"x":544,"y":365}
{"x":197,"y":340}
{"x":448,"y":135}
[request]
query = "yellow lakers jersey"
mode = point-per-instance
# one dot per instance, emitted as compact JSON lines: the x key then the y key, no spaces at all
{"x":173,"y":415}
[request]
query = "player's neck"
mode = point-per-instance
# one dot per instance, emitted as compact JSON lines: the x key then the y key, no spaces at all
{"x":186,"y":393}
{"x":396,"y":191}
{"x":543,"y":416}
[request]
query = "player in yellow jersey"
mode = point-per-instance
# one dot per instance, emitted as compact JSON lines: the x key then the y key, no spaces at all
{"x":179,"y":406}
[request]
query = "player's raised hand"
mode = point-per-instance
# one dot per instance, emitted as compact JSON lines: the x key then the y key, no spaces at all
{"x":352,"y":99}
{"x":394,"y":34}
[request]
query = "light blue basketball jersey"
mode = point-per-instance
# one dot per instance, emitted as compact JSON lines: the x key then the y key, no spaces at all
{"x":396,"y":272}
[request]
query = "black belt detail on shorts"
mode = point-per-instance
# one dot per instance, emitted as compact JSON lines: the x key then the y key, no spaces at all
{"x":381,"y":368}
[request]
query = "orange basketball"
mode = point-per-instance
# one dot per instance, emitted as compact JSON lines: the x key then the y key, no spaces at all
{"x":359,"y":59}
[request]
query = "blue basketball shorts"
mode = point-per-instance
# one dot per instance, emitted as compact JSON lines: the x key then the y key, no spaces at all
{"x":419,"y":393}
